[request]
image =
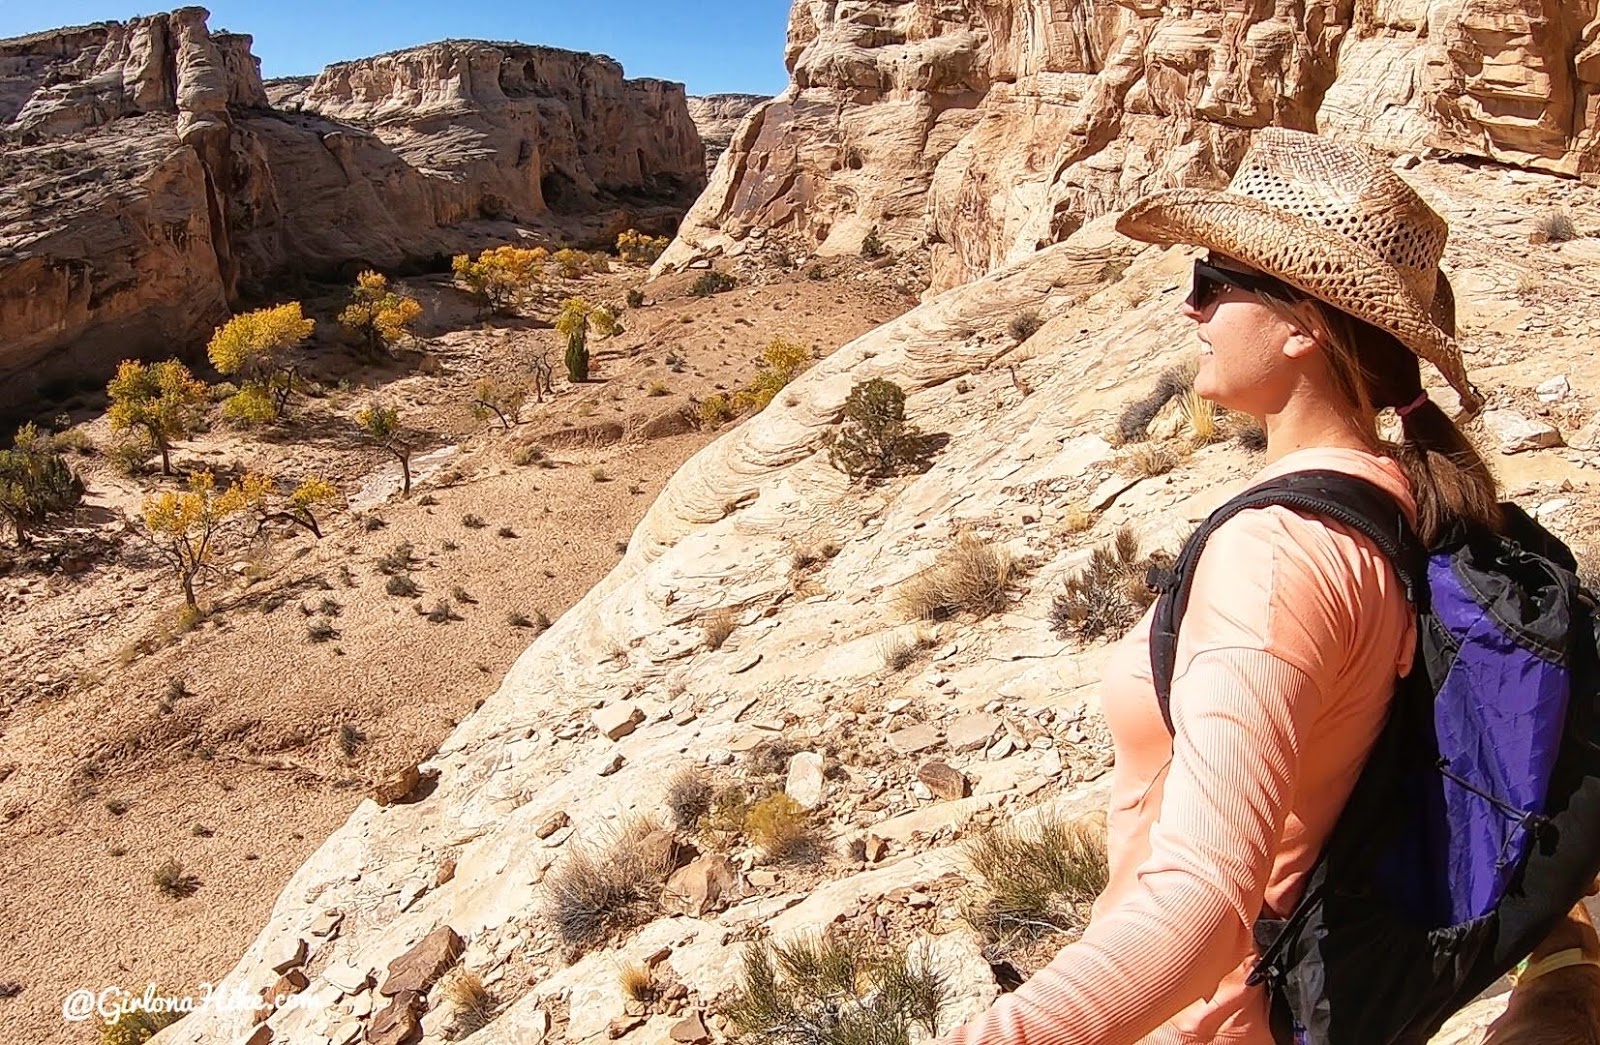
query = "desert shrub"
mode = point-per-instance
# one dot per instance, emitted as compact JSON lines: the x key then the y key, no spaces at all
{"x":184,"y":527}
{"x":401,"y":586}
{"x":639,"y":248}
{"x":1555,"y":226}
{"x":260,"y":349}
{"x":1107,"y":596}
{"x":441,"y":612}
{"x":658,"y":389}
{"x":137,"y":1025}
{"x":635,"y":297}
{"x":36,"y":483}
{"x":66,"y":437}
{"x":321,"y":630}
{"x":130,"y":457}
{"x":506,"y":532}
{"x":718,"y":625}
{"x":1034,"y":881}
{"x":163,"y":401}
{"x":688,"y":796}
{"x":605,"y":887}
{"x":1024,"y":325}
{"x":782,"y":829}
{"x":1148,"y":460}
{"x":471,"y":1005}
{"x":250,"y":407}
{"x":781,"y":362}
{"x":805,"y":556}
{"x":1076,"y":519}
{"x":1137,"y":415}
{"x":502,"y":278}
{"x":724,"y":820}
{"x":473,"y":522}
{"x":874,"y":439}
{"x":397,"y":560}
{"x":381,"y":424}
{"x":350,"y":738}
{"x":1247,"y":432}
{"x":527,"y":454}
{"x":871,"y":245}
{"x":970,"y":576}
{"x":171,"y":880}
{"x":574,"y":322}
{"x":712,"y":282}
{"x":716,"y":410}
{"x":771,"y":759}
{"x":377,"y":316}
{"x":599,"y":475}
{"x":570,"y":264}
{"x":501,"y":396}
{"x":836,"y":990}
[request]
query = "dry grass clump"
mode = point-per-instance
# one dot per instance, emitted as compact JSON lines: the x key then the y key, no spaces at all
{"x":771,"y":758}
{"x":807,"y":556}
{"x":638,"y":983}
{"x":1108,"y":596}
{"x":401,"y":585}
{"x":398,"y":560}
{"x":1137,"y":415}
{"x":902,"y":651}
{"x":1035,"y":881}
{"x":1555,"y":226}
{"x":1201,"y":418}
{"x":603,"y":888}
{"x":782,"y":829}
{"x":717,"y":626}
{"x":836,"y":990}
{"x":969,"y":576}
{"x":724,"y":820}
{"x":472,"y":1006}
{"x":1148,"y":460}
{"x":1077,"y":519}
{"x":688,"y":796}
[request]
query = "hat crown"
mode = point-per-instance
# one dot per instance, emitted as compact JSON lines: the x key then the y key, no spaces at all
{"x":1351,"y":191}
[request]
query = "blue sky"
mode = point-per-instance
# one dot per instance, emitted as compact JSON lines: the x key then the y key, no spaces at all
{"x":714,"y":46}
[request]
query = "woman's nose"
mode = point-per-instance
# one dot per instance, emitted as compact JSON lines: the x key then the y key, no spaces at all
{"x":1188,"y":311}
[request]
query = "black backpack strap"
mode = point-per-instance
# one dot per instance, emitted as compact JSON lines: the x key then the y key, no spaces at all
{"x":1363,"y":506}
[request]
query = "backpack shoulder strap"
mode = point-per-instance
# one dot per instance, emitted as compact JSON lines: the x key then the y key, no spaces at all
{"x":1345,"y":499}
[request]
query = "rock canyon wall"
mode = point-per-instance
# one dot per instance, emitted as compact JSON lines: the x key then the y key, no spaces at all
{"x":985,"y":129}
{"x":150,"y":182}
{"x":717,"y":116}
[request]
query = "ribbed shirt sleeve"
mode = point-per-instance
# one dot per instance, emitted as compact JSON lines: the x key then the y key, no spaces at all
{"x":1241,"y":713}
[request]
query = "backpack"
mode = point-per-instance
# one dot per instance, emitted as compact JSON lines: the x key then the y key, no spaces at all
{"x":1475,"y":823}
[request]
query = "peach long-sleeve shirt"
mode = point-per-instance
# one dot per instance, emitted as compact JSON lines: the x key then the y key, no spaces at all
{"x":1287,"y":657}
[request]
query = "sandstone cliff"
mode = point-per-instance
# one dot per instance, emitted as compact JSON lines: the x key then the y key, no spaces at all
{"x":151,"y":182}
{"x":717,"y":116}
{"x":986,"y":130}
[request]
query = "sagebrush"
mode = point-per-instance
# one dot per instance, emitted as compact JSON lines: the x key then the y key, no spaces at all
{"x":1107,"y":596}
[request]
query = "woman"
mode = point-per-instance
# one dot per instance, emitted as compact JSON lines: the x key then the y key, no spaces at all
{"x":1320,"y":294}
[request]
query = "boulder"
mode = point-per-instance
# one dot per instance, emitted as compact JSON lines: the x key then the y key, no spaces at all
{"x":1515,"y":433}
{"x":805,"y":783}
{"x":615,"y":721}
{"x":399,"y":1022}
{"x":943,"y":780}
{"x":702,"y":885}
{"x":419,"y":969}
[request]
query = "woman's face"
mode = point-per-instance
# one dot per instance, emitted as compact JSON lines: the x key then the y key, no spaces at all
{"x":1248,"y":351}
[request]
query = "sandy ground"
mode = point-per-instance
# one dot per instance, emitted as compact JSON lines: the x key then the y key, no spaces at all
{"x":235,"y":748}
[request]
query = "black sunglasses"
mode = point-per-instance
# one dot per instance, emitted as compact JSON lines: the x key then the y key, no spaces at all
{"x":1211,"y":281}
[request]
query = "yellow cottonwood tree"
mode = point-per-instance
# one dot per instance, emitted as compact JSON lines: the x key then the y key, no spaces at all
{"x":502,"y":277}
{"x":184,"y":525}
{"x":381,"y":424}
{"x":378,"y":315}
{"x":259,"y":347}
{"x":162,"y":400}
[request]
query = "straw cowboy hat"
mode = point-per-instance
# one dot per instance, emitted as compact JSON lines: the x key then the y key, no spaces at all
{"x":1333,"y":220}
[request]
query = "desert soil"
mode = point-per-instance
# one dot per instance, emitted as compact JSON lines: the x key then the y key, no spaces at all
{"x":234,"y":748}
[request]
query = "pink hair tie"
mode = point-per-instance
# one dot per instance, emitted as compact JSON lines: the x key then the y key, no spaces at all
{"x":1422,"y":397}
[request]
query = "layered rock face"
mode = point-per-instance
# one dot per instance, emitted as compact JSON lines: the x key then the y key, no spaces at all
{"x":151,"y":181}
{"x":717,"y":116}
{"x":986,"y":129}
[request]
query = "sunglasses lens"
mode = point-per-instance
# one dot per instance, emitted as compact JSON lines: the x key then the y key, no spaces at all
{"x":1205,"y":288}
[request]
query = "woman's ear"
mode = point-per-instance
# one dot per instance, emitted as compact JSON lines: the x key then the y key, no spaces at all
{"x":1304,"y":336}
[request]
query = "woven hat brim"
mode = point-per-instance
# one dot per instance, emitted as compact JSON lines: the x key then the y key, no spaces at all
{"x":1264,"y":238}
